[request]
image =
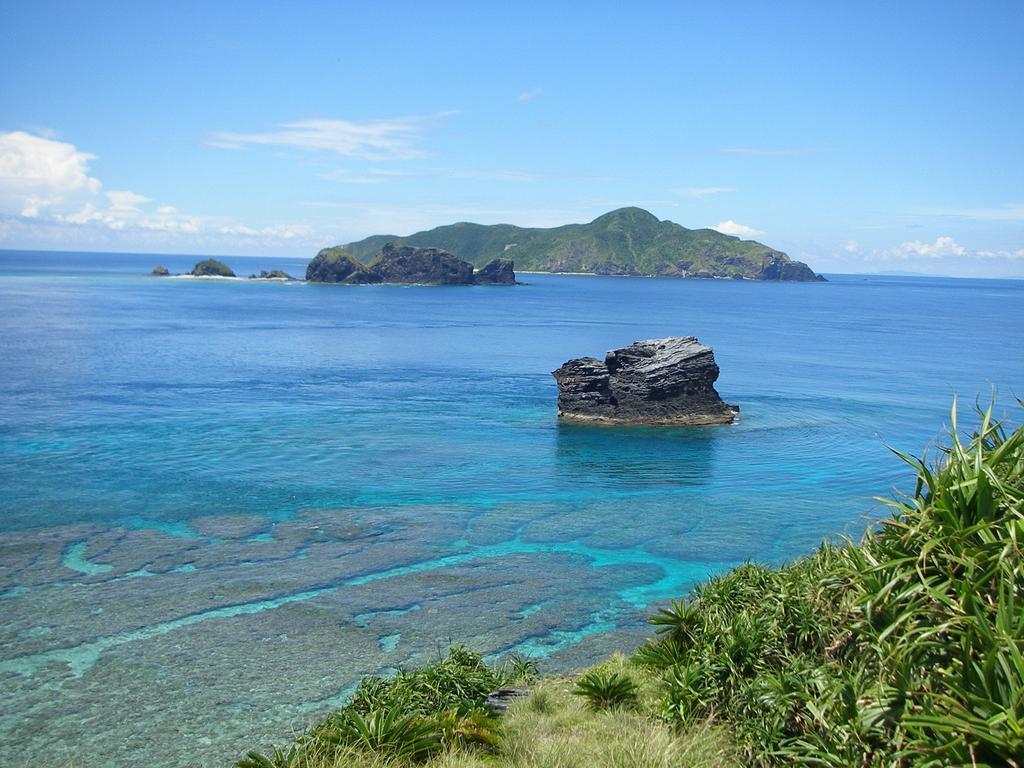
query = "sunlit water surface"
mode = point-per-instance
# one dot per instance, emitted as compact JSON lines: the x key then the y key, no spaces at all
{"x":223,"y":502}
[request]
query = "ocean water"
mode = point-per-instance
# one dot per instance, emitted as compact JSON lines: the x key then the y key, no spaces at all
{"x":223,"y":502}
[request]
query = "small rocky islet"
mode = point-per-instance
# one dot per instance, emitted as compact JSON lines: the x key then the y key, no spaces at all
{"x":400,"y":265}
{"x":666,"y":381}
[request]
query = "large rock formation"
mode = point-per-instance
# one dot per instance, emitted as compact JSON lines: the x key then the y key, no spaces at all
{"x":406,"y":264}
{"x":433,"y":266}
{"x":212,"y":268}
{"x":337,"y":265}
{"x":657,"y":381}
{"x":496,"y":272}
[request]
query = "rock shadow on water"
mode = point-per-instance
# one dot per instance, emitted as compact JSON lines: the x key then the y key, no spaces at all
{"x":632,"y":459}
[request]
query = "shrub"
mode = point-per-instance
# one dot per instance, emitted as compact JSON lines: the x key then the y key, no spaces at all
{"x":903,"y":650}
{"x":460,"y":680}
{"x":404,"y":736}
{"x":606,"y":690}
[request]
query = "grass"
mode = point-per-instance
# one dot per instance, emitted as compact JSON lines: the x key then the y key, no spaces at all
{"x":903,"y":650}
{"x":554,"y":727}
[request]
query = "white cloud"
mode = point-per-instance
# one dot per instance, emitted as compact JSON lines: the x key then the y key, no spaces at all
{"x":700,"y":192}
{"x":387,"y":139}
{"x":730,"y":227}
{"x":280,"y":232}
{"x":123,"y":200}
{"x":48,"y":196}
{"x":37,"y":173}
{"x":529,"y":95}
{"x":1017,"y":254}
{"x":851,"y":246}
{"x":943,"y":246}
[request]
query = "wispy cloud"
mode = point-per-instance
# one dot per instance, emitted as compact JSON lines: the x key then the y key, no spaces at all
{"x":702,"y":192}
{"x":1007,"y":212}
{"x":1004,"y":254}
{"x":395,"y":138}
{"x":769,"y":151}
{"x":943,"y":247}
{"x":346,"y":176}
{"x":730,"y":227}
{"x":851,"y":246}
{"x":530,"y":95}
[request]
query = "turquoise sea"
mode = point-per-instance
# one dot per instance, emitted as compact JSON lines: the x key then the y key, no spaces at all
{"x":223,"y":501}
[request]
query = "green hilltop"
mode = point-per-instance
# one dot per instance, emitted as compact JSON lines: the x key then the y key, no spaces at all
{"x":627,"y":241}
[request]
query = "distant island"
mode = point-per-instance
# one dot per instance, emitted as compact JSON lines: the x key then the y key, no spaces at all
{"x":627,"y":241}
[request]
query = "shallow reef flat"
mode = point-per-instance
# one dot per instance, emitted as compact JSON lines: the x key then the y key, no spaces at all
{"x":246,"y":627}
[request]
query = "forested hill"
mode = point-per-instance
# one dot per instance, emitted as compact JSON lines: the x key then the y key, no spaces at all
{"x":627,"y":241}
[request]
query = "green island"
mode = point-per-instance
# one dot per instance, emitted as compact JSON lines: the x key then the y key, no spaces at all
{"x":210,"y":268}
{"x":905,"y":649}
{"x":627,"y":241}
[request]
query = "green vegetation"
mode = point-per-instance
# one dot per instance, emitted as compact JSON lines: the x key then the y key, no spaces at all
{"x":625,"y":241}
{"x":553,"y":728}
{"x":212,"y":268}
{"x":906,"y":649}
{"x":606,"y":690}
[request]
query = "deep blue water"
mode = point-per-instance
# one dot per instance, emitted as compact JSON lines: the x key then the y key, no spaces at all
{"x":197,"y":431}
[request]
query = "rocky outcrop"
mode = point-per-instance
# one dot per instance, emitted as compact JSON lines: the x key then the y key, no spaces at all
{"x":160,"y":271}
{"x":336,"y":265}
{"x":211,"y":268}
{"x":657,"y":381}
{"x":406,"y":264}
{"x":431,"y":266}
{"x":775,"y":268}
{"x":274,"y":274}
{"x":496,"y":272}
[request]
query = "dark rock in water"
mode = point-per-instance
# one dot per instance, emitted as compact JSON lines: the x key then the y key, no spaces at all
{"x":211,"y":268}
{"x":336,"y":265}
{"x":274,"y":274}
{"x":431,"y":266}
{"x":500,"y":700}
{"x":658,"y":381}
{"x":160,"y":271}
{"x":496,"y":272}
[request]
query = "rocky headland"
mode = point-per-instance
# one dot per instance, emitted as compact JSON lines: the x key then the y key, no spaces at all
{"x":657,"y":381}
{"x":407,"y":265}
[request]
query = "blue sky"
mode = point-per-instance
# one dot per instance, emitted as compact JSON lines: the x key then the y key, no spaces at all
{"x":859,"y":137}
